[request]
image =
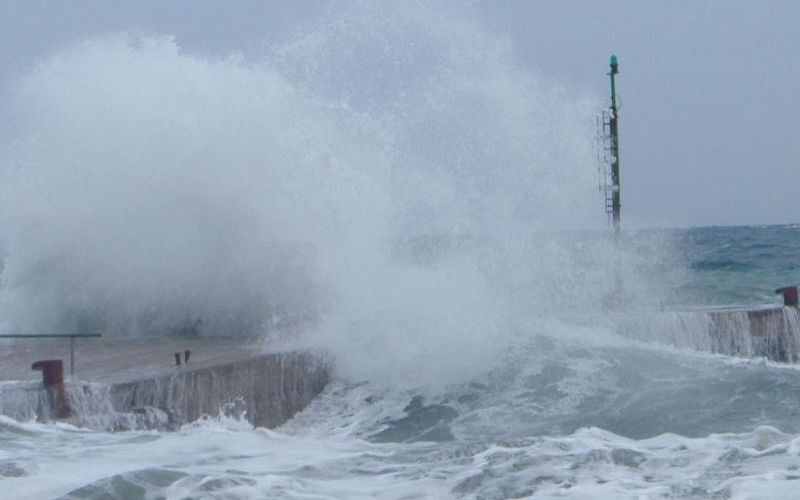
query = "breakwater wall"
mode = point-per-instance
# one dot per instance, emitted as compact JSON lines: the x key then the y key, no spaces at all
{"x":772,"y":332}
{"x":266,"y":390}
{"x":223,"y":378}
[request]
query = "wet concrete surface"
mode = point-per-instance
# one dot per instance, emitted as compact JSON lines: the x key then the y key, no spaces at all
{"x":115,"y":360}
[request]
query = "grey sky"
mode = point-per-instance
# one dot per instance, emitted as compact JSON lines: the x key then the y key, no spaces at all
{"x":710,"y":110}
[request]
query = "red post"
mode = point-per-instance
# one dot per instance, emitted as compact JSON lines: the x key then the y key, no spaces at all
{"x":53,"y":380}
{"x":789,"y":295}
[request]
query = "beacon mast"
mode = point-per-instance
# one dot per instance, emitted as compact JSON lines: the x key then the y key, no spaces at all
{"x":614,"y":129}
{"x":608,"y":152}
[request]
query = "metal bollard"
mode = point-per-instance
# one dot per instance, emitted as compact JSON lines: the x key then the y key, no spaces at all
{"x":53,"y":380}
{"x":789,"y":295}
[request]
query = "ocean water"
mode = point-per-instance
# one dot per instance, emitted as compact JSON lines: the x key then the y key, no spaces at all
{"x":740,"y":265}
{"x":565,"y":411}
{"x":390,"y":186}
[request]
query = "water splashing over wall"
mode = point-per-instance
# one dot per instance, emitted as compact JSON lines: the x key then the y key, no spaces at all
{"x":392,"y":181}
{"x":772,"y":333}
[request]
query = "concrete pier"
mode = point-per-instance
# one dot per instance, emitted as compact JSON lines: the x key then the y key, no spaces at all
{"x":771,"y":332}
{"x":122,"y":384}
{"x":125,"y":384}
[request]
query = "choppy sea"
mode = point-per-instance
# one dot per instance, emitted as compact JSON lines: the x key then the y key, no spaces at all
{"x":568,"y":411}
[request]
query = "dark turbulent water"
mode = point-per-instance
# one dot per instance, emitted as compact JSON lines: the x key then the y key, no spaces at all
{"x":392,"y":186}
{"x":567,"y":411}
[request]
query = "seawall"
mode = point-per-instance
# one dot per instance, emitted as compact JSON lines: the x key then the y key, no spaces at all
{"x":772,"y":332}
{"x":136,"y":384}
{"x":129,"y":384}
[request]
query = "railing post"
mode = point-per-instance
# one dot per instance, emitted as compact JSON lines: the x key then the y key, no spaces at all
{"x":72,"y":359}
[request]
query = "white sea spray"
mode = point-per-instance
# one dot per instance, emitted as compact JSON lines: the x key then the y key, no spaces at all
{"x":392,"y":187}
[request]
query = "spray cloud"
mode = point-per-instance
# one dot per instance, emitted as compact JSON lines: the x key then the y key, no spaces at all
{"x":391,"y":181}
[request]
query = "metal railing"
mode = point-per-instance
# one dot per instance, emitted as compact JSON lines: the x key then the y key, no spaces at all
{"x":71,"y":336}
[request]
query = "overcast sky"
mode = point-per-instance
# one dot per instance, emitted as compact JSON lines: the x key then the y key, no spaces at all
{"x":710,"y":106}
